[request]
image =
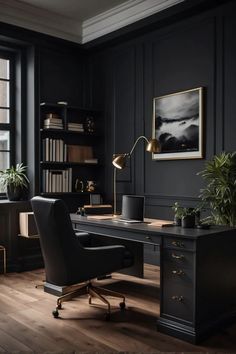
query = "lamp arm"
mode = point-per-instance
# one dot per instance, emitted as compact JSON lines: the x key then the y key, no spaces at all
{"x":135,"y":143}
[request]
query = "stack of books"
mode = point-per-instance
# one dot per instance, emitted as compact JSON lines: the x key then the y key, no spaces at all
{"x":77,"y":127}
{"x":57,"y":181}
{"x":92,"y":160}
{"x":54,"y":150}
{"x":52,"y":121}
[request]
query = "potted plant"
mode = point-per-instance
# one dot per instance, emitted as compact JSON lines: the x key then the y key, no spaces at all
{"x":178,"y":211}
{"x":188,"y":218}
{"x":14,"y":181}
{"x":220,"y":190}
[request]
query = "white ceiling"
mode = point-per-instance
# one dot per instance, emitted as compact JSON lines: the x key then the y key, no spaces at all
{"x":79,"y":10}
{"x":79,"y":21}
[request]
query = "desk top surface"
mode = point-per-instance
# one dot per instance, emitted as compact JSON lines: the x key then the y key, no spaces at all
{"x":192,"y":233}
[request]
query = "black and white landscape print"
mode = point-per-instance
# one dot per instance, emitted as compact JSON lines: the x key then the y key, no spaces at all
{"x":178,"y":124}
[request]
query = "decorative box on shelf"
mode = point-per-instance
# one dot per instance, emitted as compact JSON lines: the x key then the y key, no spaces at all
{"x":27,"y":224}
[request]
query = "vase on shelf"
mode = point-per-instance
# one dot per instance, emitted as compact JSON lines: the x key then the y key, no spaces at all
{"x":89,"y":125}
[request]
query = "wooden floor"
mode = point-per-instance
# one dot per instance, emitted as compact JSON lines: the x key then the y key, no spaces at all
{"x":27,"y":326}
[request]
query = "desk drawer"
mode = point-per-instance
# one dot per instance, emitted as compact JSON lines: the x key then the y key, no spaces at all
{"x":178,"y":301}
{"x":178,"y":284}
{"x":178,"y":258}
{"x":178,"y":243}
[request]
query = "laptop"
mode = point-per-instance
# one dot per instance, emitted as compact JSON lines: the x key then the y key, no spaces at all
{"x":132,"y":209}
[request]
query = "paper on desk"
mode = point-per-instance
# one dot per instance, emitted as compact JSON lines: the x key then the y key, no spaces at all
{"x":161,"y":223}
{"x":99,"y":217}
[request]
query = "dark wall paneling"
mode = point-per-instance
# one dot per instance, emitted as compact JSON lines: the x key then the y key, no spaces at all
{"x":229,"y":113}
{"x":124,"y":111}
{"x":196,"y":51}
{"x":182,"y":60}
{"x":61,"y":77}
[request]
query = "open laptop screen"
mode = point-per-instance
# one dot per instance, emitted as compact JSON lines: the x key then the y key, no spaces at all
{"x":133,"y":207}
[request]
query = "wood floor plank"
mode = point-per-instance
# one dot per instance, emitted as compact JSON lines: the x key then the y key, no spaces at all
{"x":26,"y":323}
{"x":10,"y":344}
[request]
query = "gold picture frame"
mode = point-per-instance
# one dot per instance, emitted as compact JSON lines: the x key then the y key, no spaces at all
{"x":178,"y":125}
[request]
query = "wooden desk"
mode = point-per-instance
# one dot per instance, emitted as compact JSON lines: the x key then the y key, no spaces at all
{"x":198,"y":273}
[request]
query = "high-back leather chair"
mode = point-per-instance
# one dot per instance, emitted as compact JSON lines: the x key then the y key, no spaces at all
{"x":66,"y":261}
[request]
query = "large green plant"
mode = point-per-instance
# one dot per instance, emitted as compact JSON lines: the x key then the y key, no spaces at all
{"x":14,"y":177}
{"x":220,"y":190}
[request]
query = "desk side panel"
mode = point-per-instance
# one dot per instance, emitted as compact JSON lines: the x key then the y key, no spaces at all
{"x":215,"y":280}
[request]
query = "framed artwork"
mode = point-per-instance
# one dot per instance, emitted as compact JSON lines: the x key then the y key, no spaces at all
{"x":178,"y":125}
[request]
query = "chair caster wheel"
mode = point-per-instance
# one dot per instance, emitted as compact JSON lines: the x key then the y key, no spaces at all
{"x":55,"y":313}
{"x":122,"y":305}
{"x":107,"y":316}
{"x":59,"y":306}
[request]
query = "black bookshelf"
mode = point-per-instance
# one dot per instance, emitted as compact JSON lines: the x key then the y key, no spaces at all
{"x":84,"y":171}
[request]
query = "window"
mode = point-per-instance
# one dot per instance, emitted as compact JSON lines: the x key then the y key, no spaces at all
{"x":6,"y":109}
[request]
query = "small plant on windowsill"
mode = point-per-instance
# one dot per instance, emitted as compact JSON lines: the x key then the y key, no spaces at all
{"x":14,"y":182}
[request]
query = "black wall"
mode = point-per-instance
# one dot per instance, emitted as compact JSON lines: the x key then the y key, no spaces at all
{"x":199,"y":50}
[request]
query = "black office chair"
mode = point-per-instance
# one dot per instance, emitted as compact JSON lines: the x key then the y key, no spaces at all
{"x":67,"y":262}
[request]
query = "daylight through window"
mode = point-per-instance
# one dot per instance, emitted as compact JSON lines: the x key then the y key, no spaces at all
{"x":5,"y":116}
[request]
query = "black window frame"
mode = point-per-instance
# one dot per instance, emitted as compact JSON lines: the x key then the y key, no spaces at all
{"x":4,"y":54}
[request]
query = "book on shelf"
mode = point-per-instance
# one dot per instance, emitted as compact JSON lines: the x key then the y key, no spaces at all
{"x":57,"y":181}
{"x":79,"y":153}
{"x":80,"y":130}
{"x":75,"y":127}
{"x":98,"y":209}
{"x":27,"y":224}
{"x":54,"y":150}
{"x":93,"y":160}
{"x":53,"y":120}
{"x":52,"y":126}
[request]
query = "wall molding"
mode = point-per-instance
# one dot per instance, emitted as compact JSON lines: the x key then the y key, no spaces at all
{"x":121,"y":16}
{"x":20,"y":14}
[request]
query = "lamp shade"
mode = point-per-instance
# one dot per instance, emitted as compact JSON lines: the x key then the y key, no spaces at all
{"x":119,"y":161}
{"x":153,"y":146}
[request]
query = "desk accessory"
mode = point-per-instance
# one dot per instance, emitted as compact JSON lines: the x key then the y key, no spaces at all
{"x":161,"y":223}
{"x":98,"y":209}
{"x":95,"y":199}
{"x":119,"y":160}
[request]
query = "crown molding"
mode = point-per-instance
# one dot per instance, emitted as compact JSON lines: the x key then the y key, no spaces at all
{"x":121,"y":16}
{"x":36,"y":19}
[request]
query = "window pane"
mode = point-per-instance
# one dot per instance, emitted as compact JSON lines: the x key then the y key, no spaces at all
{"x":4,"y":69}
{"x":4,"y":163}
{"x":4,"y":115}
{"x":4,"y":140}
{"x":4,"y":160}
{"x":4,"y":93}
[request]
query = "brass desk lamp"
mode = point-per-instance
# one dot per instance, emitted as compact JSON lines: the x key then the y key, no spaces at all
{"x":119,"y":160}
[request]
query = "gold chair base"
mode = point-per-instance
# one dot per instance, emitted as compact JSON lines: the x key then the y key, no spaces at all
{"x":93,"y":292}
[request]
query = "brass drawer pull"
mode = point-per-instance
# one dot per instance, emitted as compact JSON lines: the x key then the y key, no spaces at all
{"x":177,"y":243}
{"x":176,"y":256}
{"x":178,"y":272}
{"x":177,"y":298}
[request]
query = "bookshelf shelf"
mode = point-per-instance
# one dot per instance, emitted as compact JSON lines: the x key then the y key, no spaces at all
{"x":61,"y":147}
{"x":69,"y":132}
{"x":61,"y":164}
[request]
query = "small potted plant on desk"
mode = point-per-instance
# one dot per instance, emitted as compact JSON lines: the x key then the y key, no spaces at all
{"x":15,"y":182}
{"x":178,"y":212}
{"x":188,"y":217}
